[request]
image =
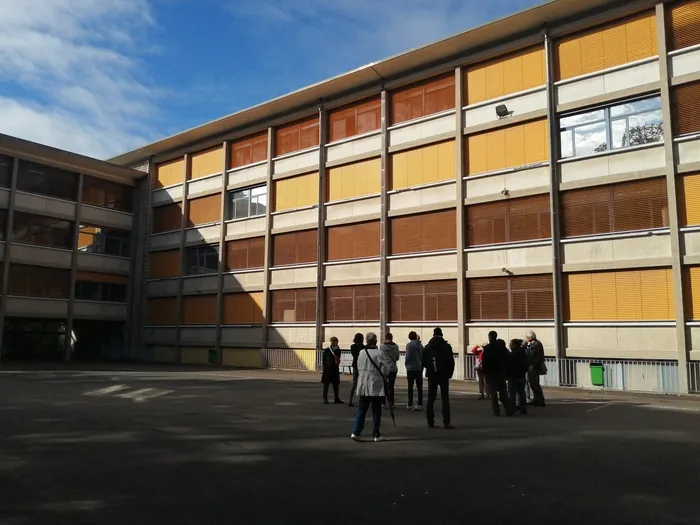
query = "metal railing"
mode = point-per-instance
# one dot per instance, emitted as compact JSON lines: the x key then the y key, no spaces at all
{"x":658,"y":377}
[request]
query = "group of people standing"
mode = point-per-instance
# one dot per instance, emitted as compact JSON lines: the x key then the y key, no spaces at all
{"x":374,"y":376}
{"x":504,"y":373}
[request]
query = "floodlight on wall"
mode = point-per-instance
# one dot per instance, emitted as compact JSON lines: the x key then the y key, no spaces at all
{"x":502,"y":111}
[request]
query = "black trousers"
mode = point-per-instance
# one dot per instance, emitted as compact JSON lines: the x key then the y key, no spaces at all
{"x":444,"y":384}
{"x":391,"y":378}
{"x":496,"y":385}
{"x":335,"y":390}
{"x":417,"y":378}
{"x":355,"y":377}
{"x":534,"y":379}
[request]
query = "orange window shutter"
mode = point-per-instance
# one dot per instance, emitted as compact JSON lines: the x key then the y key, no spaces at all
{"x":686,"y":108}
{"x":683,"y":24}
{"x":692,"y":291}
{"x":689,"y":202}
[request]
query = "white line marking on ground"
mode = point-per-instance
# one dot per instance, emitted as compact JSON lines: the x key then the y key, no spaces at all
{"x":600,"y":407}
{"x":680,"y":409}
{"x":106,"y":391}
{"x":144,"y":393}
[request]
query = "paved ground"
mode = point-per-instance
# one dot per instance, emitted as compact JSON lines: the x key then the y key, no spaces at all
{"x":199,"y":447}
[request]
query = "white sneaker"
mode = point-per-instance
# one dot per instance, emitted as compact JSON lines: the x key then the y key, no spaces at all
{"x":409,"y":407}
{"x":355,"y":438}
{"x":417,"y":408}
{"x":378,"y":439}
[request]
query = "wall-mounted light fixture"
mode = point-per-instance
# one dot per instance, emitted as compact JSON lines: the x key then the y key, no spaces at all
{"x":502,"y":111}
{"x":505,"y":192}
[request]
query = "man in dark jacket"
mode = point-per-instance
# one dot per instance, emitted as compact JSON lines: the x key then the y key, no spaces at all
{"x":495,"y":365}
{"x":439,"y":364}
{"x":537,"y":367}
{"x":358,"y":344}
{"x":518,"y":365}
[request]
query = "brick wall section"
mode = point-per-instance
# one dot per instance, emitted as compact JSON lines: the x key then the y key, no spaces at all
{"x":140,"y":266}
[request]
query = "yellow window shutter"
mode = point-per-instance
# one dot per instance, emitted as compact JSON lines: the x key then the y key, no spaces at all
{"x":446,"y":160}
{"x":656,"y":303}
{"x":690,"y":203}
{"x":534,"y":68}
{"x":476,"y":153}
{"x":207,"y":162}
{"x":614,"y":46}
{"x":496,"y":150}
{"x":475,"y":86}
{"x":494,"y":80}
{"x":629,"y":296}
{"x":569,"y":60}
{"x":415,"y":167}
{"x":514,"y":146}
{"x":430,"y":164}
{"x":604,"y":296}
{"x":580,"y":297}
{"x":692,"y":288}
{"x":399,"y":170}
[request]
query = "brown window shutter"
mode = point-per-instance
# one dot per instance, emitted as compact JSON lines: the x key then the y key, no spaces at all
{"x":355,"y":120}
{"x":204,"y":210}
{"x":95,"y":277}
{"x":366,"y":303}
{"x":353,"y":241}
{"x":295,"y":247}
{"x":297,"y":136}
{"x":686,"y":108}
{"x":245,"y":254}
{"x":424,"y":232}
{"x":165,"y":264}
{"x":486,"y":223}
{"x":199,"y":309}
{"x":516,"y":220}
{"x":525,"y":298}
{"x":683,"y":24}
{"x":162,"y":312}
{"x":249,"y":151}
{"x":293,"y":306}
{"x":424,"y":302}
{"x":352,"y":303}
{"x":622,"y":207}
{"x":419,"y":100}
{"x":167,"y":218}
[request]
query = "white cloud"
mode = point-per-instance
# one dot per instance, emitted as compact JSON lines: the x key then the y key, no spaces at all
{"x":69,"y":73}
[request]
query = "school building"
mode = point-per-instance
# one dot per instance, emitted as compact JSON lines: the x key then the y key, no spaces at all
{"x":539,"y":172}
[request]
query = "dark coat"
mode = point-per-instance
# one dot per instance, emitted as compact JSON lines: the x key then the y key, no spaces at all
{"x":331,"y":369}
{"x":495,"y":360}
{"x":355,"y":350}
{"x":438,"y":360}
{"x":518,"y":363}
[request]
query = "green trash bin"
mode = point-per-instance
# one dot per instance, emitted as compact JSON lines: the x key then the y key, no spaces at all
{"x":597,"y":374}
{"x":212,"y":356}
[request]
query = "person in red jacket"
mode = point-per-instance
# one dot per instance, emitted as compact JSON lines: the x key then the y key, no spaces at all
{"x":478,"y":351}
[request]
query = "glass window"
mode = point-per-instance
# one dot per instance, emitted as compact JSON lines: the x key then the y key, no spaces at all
{"x":28,"y":339}
{"x":95,"y":291}
{"x":42,"y":230}
{"x":45,"y":180}
{"x":202,"y":260}
{"x":615,"y":127}
{"x":107,"y":194}
{"x":251,"y":202}
{"x":105,"y":241}
{"x":5,"y":171}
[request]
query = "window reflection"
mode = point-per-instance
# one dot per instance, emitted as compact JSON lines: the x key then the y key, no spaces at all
{"x":105,"y":241}
{"x":250,"y":202}
{"x":45,"y":180}
{"x":202,"y":260}
{"x":631,"y":123}
{"x":107,"y":194}
{"x":45,"y":231}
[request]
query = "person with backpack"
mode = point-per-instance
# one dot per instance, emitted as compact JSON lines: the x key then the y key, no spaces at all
{"x":391,"y":349}
{"x":495,"y":365}
{"x":518,"y":365}
{"x":537,"y":368}
{"x":414,"y":370}
{"x":331,"y":370}
{"x":358,"y":344}
{"x":439,"y":364}
{"x":373,"y":367}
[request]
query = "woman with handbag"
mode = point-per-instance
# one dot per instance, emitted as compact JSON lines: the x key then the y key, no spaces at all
{"x":331,"y":370}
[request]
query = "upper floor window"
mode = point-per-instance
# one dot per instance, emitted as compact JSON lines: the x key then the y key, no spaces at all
{"x":45,"y":180}
{"x":623,"y":125}
{"x":95,"y":239}
{"x":250,"y":202}
{"x":40,"y":229}
{"x":107,"y":194}
{"x":96,"y":291}
{"x":202,"y":260}
{"x":5,"y":171}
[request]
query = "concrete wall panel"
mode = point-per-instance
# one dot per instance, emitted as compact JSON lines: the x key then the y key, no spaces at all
{"x":44,"y":205}
{"x":478,"y":335}
{"x":246,"y":228}
{"x":435,"y":195}
{"x":251,"y":174}
{"x":168,"y":195}
{"x":302,"y":277}
{"x":162,"y":288}
{"x":291,"y":337}
{"x":106,"y":217}
{"x":613,"y":164}
{"x":103,"y":263}
{"x":519,"y":105}
{"x":242,"y":357}
{"x":492,"y":186}
{"x":629,"y":342}
{"x":691,"y":240}
{"x":207,"y":184}
{"x":425,"y":332}
{"x":688,"y":152}
{"x":201,"y":284}
{"x":101,"y":311}
{"x":303,"y":161}
{"x":160,"y":335}
{"x":685,"y":63}
{"x":349,"y":210}
{"x":240,"y":282}
{"x":422,"y":130}
{"x":440,"y":265}
{"x":361,"y":146}
{"x":625,"y":249}
{"x":241,"y":336}
{"x":296,"y":219}
{"x":208,"y":234}
{"x":36,"y":307}
{"x":205,"y":335}
{"x":345,"y":334}
{"x":29,"y":254}
{"x":164,"y":241}
{"x":4,"y":198}
{"x":512,"y":258}
{"x":353,"y":273}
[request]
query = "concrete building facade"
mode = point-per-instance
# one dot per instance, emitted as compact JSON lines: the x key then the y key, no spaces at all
{"x":539,"y":172}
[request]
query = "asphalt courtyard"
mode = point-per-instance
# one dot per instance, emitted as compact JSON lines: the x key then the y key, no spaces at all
{"x":214,"y":447}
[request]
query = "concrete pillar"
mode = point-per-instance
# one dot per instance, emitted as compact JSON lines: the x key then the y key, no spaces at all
{"x":222,"y":252}
{"x":321,"y":252}
{"x":459,"y":172}
{"x":183,"y":256}
{"x":676,"y":252}
{"x":384,"y":231}
{"x":554,"y":207}
{"x":68,"y":341}
{"x":8,"y":250}
{"x":267,"y":307}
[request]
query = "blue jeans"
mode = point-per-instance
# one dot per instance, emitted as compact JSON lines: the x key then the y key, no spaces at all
{"x":362,"y":408}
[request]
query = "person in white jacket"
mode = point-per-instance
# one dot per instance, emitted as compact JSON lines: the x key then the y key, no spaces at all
{"x":373,"y":367}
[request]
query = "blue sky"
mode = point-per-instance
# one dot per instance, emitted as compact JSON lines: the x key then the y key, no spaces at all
{"x":100,"y":77}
